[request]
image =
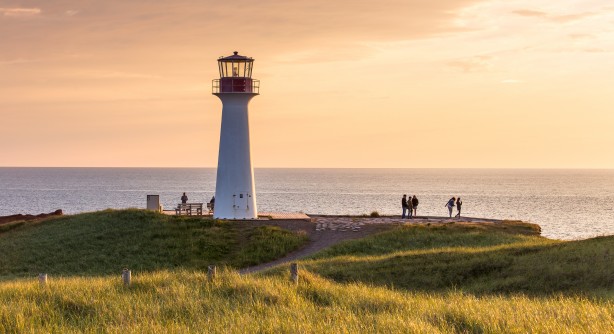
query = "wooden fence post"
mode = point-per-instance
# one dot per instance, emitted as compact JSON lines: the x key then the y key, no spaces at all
{"x":126,"y":277}
{"x":294,"y":272}
{"x":42,"y":279}
{"x":211,"y":272}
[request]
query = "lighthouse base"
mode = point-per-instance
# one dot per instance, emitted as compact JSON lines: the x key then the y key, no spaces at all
{"x":235,"y":191}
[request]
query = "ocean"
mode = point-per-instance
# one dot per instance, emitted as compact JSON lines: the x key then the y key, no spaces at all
{"x":568,"y":204}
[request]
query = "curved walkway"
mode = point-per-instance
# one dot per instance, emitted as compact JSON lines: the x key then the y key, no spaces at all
{"x":326,"y":231}
{"x":319,"y":240}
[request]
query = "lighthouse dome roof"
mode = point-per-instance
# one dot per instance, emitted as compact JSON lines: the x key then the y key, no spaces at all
{"x":236,"y":57}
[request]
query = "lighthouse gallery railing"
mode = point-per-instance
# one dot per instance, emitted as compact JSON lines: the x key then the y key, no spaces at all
{"x":236,"y":85}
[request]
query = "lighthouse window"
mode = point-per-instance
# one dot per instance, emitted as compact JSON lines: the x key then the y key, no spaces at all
{"x":240,"y":195}
{"x":240,"y":69}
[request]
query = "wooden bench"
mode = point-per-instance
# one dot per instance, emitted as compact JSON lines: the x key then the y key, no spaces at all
{"x":188,"y":208}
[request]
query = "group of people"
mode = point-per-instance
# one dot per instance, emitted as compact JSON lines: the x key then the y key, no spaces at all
{"x":410,"y":204}
{"x":184,"y":200}
{"x":451,"y":203}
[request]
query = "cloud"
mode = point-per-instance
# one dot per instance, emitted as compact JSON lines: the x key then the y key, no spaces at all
{"x":327,"y":53}
{"x":530,"y":13}
{"x":578,"y":36}
{"x":315,"y":31}
{"x":511,"y":81}
{"x":473,"y":64}
{"x":16,"y":61}
{"x":594,"y":50}
{"x":551,"y":17}
{"x":571,"y":17}
{"x":20,"y":12}
{"x":99,"y":74}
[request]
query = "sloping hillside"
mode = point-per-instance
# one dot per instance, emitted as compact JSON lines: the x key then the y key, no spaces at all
{"x":477,"y":258}
{"x":105,"y":242}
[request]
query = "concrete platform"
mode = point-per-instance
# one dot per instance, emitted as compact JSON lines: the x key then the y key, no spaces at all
{"x":356,"y":223}
{"x":284,"y":215}
{"x":261,"y":215}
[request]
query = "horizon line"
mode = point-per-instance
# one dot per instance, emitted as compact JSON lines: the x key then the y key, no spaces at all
{"x":211,"y":167}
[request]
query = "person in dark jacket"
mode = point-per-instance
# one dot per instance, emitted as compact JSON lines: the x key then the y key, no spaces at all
{"x":404,"y":205}
{"x":459,"y":203}
{"x":414,"y":204}
{"x":184,"y":199}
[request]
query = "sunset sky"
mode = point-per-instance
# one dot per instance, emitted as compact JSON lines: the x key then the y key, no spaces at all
{"x":389,"y":83}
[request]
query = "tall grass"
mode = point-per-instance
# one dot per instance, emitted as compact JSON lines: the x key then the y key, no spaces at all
{"x":182,"y":301}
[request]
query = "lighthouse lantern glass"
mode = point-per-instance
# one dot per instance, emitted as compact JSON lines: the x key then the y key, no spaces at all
{"x":235,"y":68}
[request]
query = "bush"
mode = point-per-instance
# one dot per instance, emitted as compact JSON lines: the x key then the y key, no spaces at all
{"x":374,"y":214}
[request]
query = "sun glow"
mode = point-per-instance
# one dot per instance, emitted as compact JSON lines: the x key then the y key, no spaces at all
{"x":458,"y":83}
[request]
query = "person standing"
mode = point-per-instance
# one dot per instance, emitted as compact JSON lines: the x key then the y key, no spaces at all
{"x":404,"y":205}
{"x":450,"y":205}
{"x":414,"y":204}
{"x":184,"y":199}
{"x":459,"y":203}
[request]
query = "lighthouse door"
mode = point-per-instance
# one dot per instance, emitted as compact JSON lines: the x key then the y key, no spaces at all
{"x":241,"y":201}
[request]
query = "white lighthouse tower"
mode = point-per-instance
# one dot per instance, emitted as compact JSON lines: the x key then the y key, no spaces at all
{"x":235,"y":191}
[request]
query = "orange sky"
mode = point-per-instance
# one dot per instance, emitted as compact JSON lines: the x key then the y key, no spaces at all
{"x":391,"y":83}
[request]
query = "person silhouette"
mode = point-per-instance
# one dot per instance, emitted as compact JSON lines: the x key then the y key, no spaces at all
{"x":184,"y":199}
{"x":459,"y":203}
{"x":450,"y":205}
{"x":404,"y":206}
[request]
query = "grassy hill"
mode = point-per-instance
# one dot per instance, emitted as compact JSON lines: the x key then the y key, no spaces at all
{"x":453,"y":278}
{"x":476,"y":258}
{"x":104,"y":242}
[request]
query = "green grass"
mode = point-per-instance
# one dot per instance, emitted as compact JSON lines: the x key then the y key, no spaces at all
{"x":451,"y":278}
{"x":500,"y":258}
{"x":102,"y":243}
{"x":182,"y":301}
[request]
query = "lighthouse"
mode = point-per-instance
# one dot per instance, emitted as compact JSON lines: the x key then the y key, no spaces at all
{"x":235,"y":191}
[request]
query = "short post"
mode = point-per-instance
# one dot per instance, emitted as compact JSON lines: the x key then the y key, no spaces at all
{"x":42,"y":279}
{"x":294,"y":272}
{"x":126,"y":277}
{"x":211,"y":272}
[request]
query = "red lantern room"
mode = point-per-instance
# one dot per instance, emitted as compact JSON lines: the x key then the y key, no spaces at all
{"x":236,"y":75}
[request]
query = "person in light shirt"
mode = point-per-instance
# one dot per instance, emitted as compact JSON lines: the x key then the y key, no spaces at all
{"x":450,"y":205}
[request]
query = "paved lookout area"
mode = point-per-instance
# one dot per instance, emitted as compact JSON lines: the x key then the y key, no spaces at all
{"x":347,"y":223}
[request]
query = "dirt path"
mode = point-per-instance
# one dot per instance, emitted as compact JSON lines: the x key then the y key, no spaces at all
{"x":325,"y":231}
{"x":318,"y":240}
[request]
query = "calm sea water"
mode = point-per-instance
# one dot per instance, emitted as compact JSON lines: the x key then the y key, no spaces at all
{"x":568,"y":204}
